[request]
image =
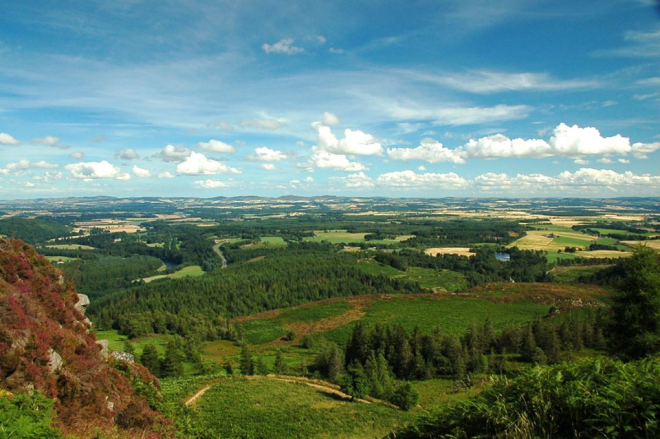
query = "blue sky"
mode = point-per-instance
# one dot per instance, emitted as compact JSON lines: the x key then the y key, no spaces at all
{"x":416,"y":98}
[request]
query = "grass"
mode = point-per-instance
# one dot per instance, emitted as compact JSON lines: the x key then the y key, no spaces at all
{"x":572,"y":273}
{"x":116,"y":341}
{"x":426,"y":277}
{"x":264,"y":330}
{"x":452,"y":315}
{"x":267,"y":242}
{"x":54,"y":259}
{"x":191,"y":270}
{"x":240,"y":408}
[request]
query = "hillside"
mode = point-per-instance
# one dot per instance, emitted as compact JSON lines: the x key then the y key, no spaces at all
{"x":46,"y":349}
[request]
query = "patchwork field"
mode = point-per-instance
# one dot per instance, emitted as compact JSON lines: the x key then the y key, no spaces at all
{"x":192,"y":270}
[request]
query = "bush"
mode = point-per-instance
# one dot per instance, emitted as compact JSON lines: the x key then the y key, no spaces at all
{"x":590,"y":398}
{"x":27,"y":416}
{"x":405,"y":396}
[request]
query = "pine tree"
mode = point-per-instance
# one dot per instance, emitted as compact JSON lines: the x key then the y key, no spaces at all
{"x":246,"y":362}
{"x":171,"y":365}
{"x":635,"y":329}
{"x":150,"y":360}
{"x":279,"y":368}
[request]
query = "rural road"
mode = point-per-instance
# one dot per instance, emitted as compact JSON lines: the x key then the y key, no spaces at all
{"x":216,"y":249}
{"x":317,"y":384}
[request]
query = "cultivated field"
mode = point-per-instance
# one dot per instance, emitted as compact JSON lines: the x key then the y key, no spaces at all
{"x":461,"y":251}
{"x":192,"y":270}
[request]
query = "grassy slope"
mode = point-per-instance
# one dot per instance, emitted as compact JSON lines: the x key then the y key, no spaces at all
{"x":191,"y":270}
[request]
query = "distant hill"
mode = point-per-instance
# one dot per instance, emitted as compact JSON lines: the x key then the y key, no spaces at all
{"x":46,"y":346}
{"x":33,"y":231}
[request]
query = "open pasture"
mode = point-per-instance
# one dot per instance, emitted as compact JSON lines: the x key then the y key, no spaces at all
{"x":70,"y":247}
{"x":344,"y":237}
{"x":654,"y":244}
{"x":425,"y":277}
{"x":192,"y":270}
{"x":262,"y":408}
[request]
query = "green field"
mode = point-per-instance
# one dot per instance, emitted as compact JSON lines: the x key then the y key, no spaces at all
{"x":55,"y":259}
{"x":264,"y":330}
{"x":267,"y":242}
{"x":261,"y":408}
{"x":70,"y":247}
{"x":451,"y":315}
{"x":426,"y":277}
{"x":572,"y":273}
{"x":117,"y":342}
{"x":191,"y":270}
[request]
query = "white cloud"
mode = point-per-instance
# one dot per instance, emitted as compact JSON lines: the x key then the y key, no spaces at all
{"x":141,"y":172}
{"x":430,"y":151}
{"x":127,"y":154}
{"x":327,"y":160}
{"x":262,"y":124}
{"x":173,"y":153}
{"x":124,"y":176}
{"x":6,"y":139}
{"x":642,"y":150}
{"x":165,"y":174}
{"x":209,"y":184}
{"x":94,"y":170}
{"x":355,"y":142}
{"x":215,"y":146}
{"x":650,"y":81}
{"x":575,"y":141}
{"x":268,"y":167}
{"x":605,"y":160}
{"x":411,"y":179}
{"x":199,"y":164}
{"x":48,"y":141}
{"x":624,"y":161}
{"x":265,"y":154}
{"x":78,"y":155}
{"x":24,"y":164}
{"x":581,"y":162}
{"x":336,"y":51}
{"x":329,"y":119}
{"x":485,"y":81}
{"x":421,"y":168}
{"x":499,"y":145}
{"x":357,"y":180}
{"x":223,"y":126}
{"x":284,"y":46}
{"x":298,"y":183}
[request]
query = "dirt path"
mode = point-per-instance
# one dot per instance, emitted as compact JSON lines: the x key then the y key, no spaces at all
{"x":322,"y":386}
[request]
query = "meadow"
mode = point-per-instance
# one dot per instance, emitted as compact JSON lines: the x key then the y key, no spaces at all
{"x":191,"y":270}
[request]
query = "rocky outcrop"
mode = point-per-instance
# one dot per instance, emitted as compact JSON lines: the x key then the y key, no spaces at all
{"x":123,"y":356}
{"x":55,"y":362}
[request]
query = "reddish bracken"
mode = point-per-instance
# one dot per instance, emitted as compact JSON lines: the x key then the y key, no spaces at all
{"x":37,"y":317}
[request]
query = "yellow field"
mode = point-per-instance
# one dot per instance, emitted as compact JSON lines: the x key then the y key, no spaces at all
{"x":461,"y":251}
{"x":602,"y":254}
{"x":654,"y":244}
{"x":552,"y":241}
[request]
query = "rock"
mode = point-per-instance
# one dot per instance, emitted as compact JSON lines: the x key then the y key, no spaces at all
{"x":104,"y":348}
{"x":123,"y":356}
{"x":82,"y":303}
{"x":55,"y":361}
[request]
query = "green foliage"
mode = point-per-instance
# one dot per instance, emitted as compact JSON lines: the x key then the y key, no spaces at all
{"x":24,"y":416}
{"x":635,"y":328}
{"x":32,"y":231}
{"x":587,"y":398}
{"x":247,"y":363}
{"x":150,"y":359}
{"x":406,"y":396}
{"x":355,"y":382}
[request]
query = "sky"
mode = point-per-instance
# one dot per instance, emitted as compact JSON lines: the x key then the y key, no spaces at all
{"x":441,"y":98}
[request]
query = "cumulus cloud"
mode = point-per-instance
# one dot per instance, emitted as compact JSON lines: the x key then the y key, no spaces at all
{"x":642,"y":150}
{"x":141,"y":172}
{"x":78,"y":155}
{"x":327,"y":160}
{"x":124,"y":176}
{"x":499,"y":146}
{"x":430,"y":151}
{"x":262,"y":124}
{"x":173,"y":153}
{"x":355,"y":142}
{"x":165,"y":174}
{"x":22,"y":165}
{"x":198,"y":164}
{"x":411,"y":179}
{"x":6,"y":139}
{"x":574,"y":141}
{"x":357,"y":180}
{"x":127,"y":154}
{"x":284,"y":46}
{"x":209,"y":184}
{"x":268,"y":167}
{"x":298,"y":183}
{"x":216,"y":146}
{"x":265,"y":154}
{"x":329,"y":119}
{"x":95,"y":170}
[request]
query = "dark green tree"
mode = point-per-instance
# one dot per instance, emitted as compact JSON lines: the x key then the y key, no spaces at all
{"x":635,"y":328}
{"x":150,"y":360}
{"x":279,"y":368}
{"x":247,"y":364}
{"x":172,"y":364}
{"x":406,"y":396}
{"x":356,"y":383}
